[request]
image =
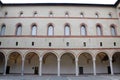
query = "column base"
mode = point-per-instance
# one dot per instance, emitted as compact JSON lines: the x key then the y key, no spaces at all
{"x":4,"y":74}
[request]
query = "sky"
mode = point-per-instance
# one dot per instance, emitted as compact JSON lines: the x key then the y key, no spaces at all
{"x":61,"y":1}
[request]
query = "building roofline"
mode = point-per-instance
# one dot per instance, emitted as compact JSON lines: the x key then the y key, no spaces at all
{"x":1,"y":2}
{"x":56,"y":4}
{"x":59,"y":4}
{"x":116,"y":4}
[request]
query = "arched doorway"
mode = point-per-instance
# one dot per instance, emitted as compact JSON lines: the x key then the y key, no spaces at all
{"x":14,"y":63}
{"x":85,"y":63}
{"x":2,"y":62}
{"x":116,"y":62}
{"x":102,"y":63}
{"x":67,"y":64}
{"x":49,"y":64}
{"x":31,"y":63}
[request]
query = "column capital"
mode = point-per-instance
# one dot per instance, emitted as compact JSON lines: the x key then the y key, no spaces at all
{"x":6,"y":57}
{"x":76,"y":59}
{"x":40,"y":59}
{"x":23,"y":59}
{"x":110,"y":59}
{"x":58,"y":59}
{"x":94,"y":59}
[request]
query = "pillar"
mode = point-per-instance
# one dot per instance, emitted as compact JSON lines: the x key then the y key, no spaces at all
{"x":94,"y":66}
{"x":111,"y":66}
{"x":22,"y":69}
{"x":40,"y":67}
{"x":76,"y":66}
{"x":5,"y":66}
{"x":58,"y":67}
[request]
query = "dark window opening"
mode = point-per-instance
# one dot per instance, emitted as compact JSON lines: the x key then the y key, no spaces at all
{"x":101,"y":44}
{"x":67,"y":44}
{"x":114,"y":43}
{"x":32,"y":43}
{"x":6,"y":13}
{"x":0,"y":43}
{"x":50,"y":44}
{"x":16,"y":43}
{"x":84,"y":44}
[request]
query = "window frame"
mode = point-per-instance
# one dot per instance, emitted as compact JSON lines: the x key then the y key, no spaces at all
{"x":66,"y":14}
{"x":17,"y":27}
{"x":114,"y":28}
{"x":51,"y":14}
{"x":3,"y":30}
{"x":66,"y":31}
{"x":50,"y":32}
{"x":33,"y":34}
{"x":85,"y":30}
{"x":97,"y":15}
{"x":99,"y":30}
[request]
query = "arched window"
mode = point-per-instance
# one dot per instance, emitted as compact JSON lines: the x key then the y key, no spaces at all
{"x":110,"y":15}
{"x":5,"y":14}
{"x":51,"y":14}
{"x":66,"y":14}
{"x":34,"y":30}
{"x":98,"y":30}
{"x":21,"y":14}
{"x":50,"y":30}
{"x":67,"y":30}
{"x":113,"y":31}
{"x":3,"y":30}
{"x":19,"y":30}
{"x":97,"y":15}
{"x":83,"y":30}
{"x":81,"y":14}
{"x":35,"y":13}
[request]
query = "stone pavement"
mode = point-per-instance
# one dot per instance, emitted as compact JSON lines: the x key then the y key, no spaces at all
{"x":52,"y":77}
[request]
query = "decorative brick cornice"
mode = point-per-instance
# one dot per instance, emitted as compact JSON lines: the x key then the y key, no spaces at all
{"x":60,"y":48}
{"x":28,"y":17}
{"x":57,"y":36}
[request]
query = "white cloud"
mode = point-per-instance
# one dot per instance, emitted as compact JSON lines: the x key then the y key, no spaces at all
{"x":61,"y":1}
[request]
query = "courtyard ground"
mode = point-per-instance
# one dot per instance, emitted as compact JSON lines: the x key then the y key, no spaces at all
{"x":64,"y":77}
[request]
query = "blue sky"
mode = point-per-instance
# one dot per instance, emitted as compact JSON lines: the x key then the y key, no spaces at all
{"x":61,"y":1}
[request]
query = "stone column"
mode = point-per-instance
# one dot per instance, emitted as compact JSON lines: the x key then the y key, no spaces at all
{"x":5,"y":66}
{"x":76,"y":66}
{"x":22,"y":69}
{"x":40,"y":67}
{"x":94,"y":66}
{"x":111,"y":66}
{"x":58,"y":67}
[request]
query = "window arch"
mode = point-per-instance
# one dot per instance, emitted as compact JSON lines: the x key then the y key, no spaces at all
{"x":19,"y":29}
{"x":113,"y":30}
{"x":34,"y":30}
{"x":67,"y":30}
{"x":83,"y":30}
{"x":50,"y":30}
{"x":99,"y":30}
{"x":3,"y":29}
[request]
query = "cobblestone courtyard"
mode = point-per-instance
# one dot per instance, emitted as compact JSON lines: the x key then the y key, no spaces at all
{"x":51,"y":77}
